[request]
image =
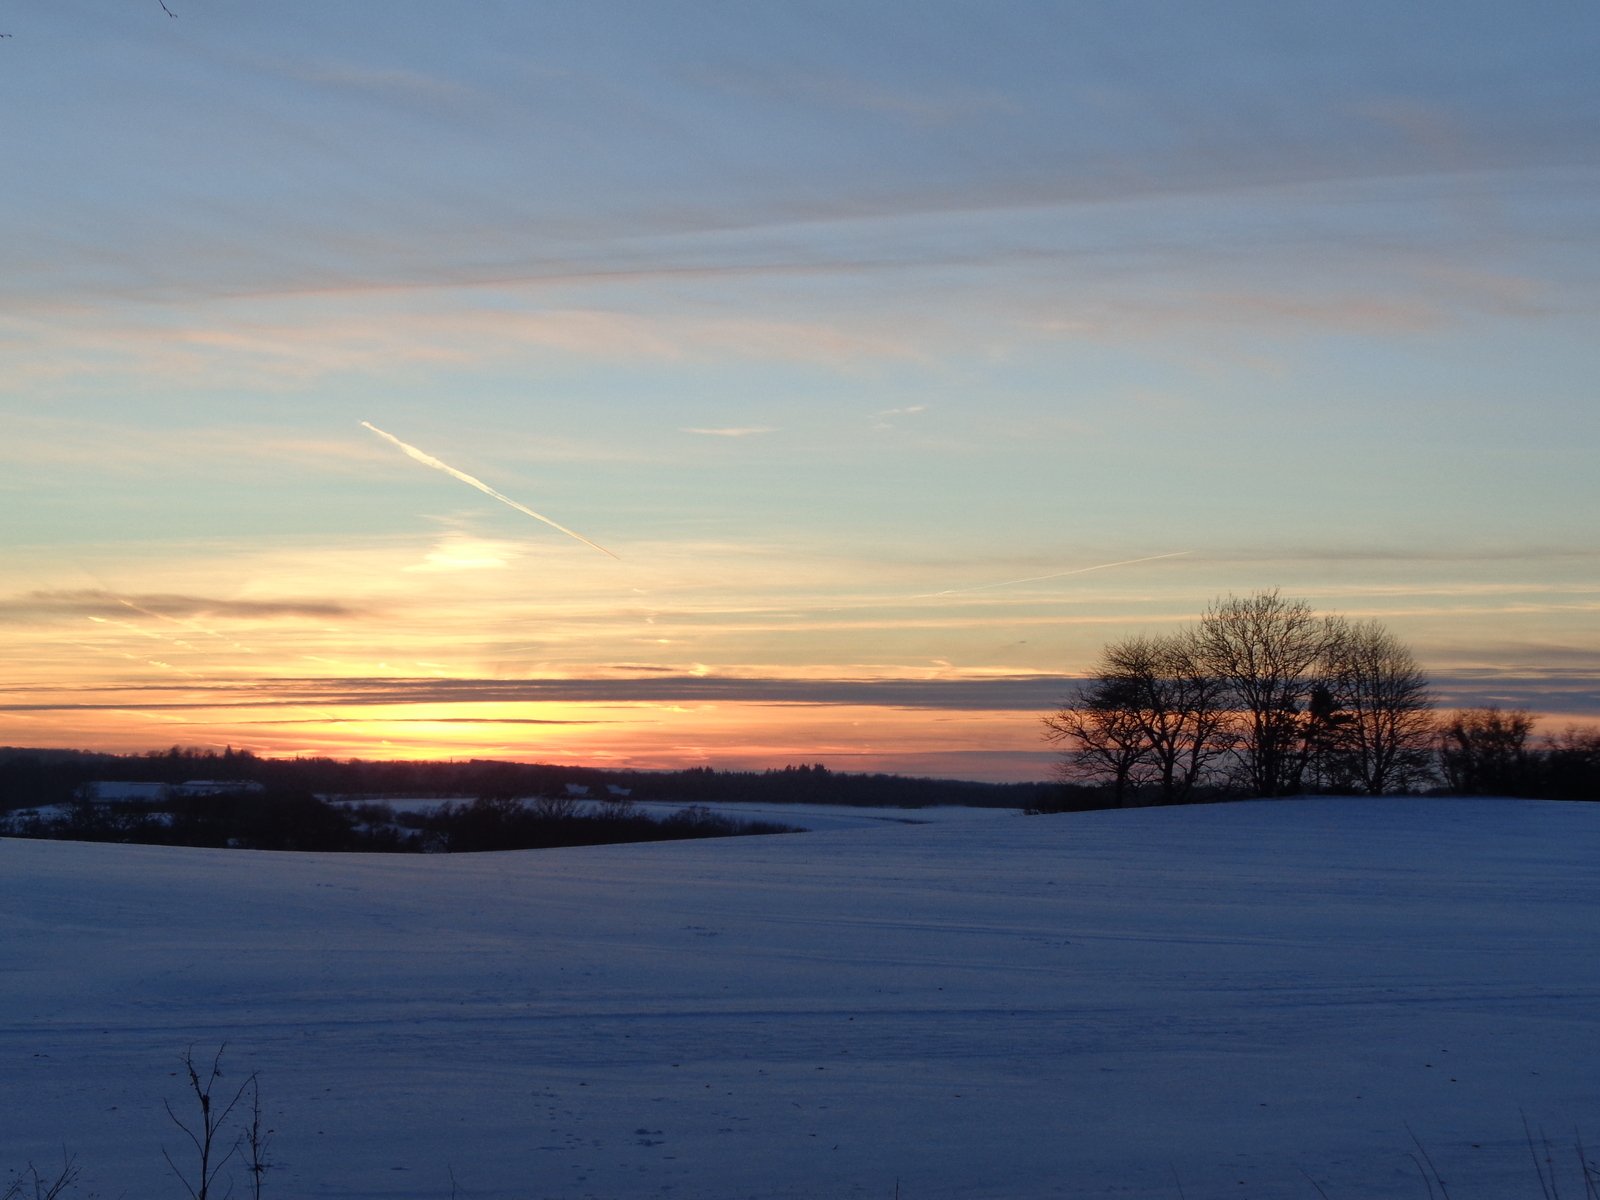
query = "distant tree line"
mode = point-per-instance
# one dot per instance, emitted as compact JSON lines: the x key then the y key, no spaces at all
{"x":1264,"y":697}
{"x":299,"y":820}
{"x":814,"y":783}
{"x":327,"y":804}
{"x":1492,"y":752}
{"x":30,"y":778}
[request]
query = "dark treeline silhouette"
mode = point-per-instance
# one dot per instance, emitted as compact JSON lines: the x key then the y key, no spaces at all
{"x":270,"y":820}
{"x":300,"y":820}
{"x":814,"y":783}
{"x":1492,"y":752}
{"x":503,"y":823}
{"x":235,"y":798}
{"x":29,"y":778}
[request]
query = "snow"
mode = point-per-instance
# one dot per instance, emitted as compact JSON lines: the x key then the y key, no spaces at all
{"x":817,"y":817}
{"x":1230,"y":1000}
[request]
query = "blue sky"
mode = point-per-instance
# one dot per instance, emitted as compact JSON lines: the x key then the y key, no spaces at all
{"x":857,"y":332}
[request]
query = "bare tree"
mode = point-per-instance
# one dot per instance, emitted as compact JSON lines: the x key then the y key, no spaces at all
{"x":1105,"y":740}
{"x":1268,"y":652}
{"x":1571,"y":762}
{"x":1185,"y":713}
{"x":1381,"y":723}
{"x":1484,"y":751}
{"x":555,"y":808}
{"x":1262,"y":691}
{"x":1149,"y":715}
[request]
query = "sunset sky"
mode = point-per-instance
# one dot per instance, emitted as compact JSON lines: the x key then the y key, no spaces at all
{"x":871,"y":364}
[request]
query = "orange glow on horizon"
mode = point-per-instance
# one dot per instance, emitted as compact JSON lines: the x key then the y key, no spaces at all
{"x":641,"y":736}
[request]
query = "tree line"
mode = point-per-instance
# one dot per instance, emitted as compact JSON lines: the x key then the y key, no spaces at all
{"x":301,"y":821}
{"x":34,"y":777}
{"x":1492,"y":752}
{"x":1264,"y":697}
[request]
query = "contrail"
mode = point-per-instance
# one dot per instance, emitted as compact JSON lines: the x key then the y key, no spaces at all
{"x":984,"y":587}
{"x":429,"y":460}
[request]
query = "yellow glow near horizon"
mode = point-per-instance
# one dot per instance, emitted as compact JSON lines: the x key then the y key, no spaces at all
{"x":452,"y":645}
{"x":850,"y":408}
{"x":641,"y":736}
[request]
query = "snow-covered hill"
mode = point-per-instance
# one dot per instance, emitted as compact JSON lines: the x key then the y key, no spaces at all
{"x":1219,"y":1000}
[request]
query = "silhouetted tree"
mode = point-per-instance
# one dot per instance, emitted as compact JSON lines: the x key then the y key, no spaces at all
{"x":1105,"y":740}
{"x":1380,"y":727}
{"x":1268,"y":652}
{"x":1484,"y":752}
{"x":1149,"y":716}
{"x":1572,"y":764}
{"x":1262,"y":689}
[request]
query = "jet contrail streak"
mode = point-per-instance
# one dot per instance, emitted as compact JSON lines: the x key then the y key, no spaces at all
{"x":429,"y":460}
{"x":984,"y":587}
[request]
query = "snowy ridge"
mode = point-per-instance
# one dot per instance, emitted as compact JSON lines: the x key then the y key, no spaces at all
{"x":1089,"y":1004}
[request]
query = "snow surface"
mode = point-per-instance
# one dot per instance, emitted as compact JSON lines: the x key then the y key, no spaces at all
{"x":1219,"y":1001}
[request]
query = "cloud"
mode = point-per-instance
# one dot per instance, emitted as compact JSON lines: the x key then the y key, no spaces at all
{"x":1549,"y":688}
{"x":464,"y":552}
{"x":460,"y":552}
{"x":106,"y":604}
{"x":390,"y":720}
{"x":1022,"y":692}
{"x":1153,"y":314}
{"x":103,"y":446}
{"x":1005,"y":583}
{"x":885,"y":419}
{"x":1569,"y":692}
{"x":733,"y":431}
{"x":382,"y":81}
{"x":291,"y":340}
{"x":1466,"y":555}
{"x":934,"y":105}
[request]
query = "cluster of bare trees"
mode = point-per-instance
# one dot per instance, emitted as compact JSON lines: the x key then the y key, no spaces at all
{"x":1262,"y":696}
{"x":1492,"y":752}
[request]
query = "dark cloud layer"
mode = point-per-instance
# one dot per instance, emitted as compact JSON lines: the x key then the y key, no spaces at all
{"x":91,"y":602}
{"x":1575,"y":691}
{"x":1022,"y":693}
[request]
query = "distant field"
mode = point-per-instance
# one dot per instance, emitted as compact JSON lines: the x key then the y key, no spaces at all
{"x":1222,"y":999}
{"x":812,"y":817}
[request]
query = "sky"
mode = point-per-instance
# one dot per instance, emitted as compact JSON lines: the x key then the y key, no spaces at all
{"x":732,"y":384}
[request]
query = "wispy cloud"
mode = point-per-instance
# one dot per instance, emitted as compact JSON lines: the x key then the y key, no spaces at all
{"x":885,"y":419}
{"x":1024,"y":692}
{"x":459,"y":552}
{"x":105,"y":604}
{"x":731,"y":431}
{"x":1541,"y":687}
{"x":110,"y":446}
{"x":1162,"y":311}
{"x":384,"y":81}
{"x":1547,"y":689}
{"x":1005,"y":583}
{"x":290,"y":340}
{"x":436,"y":720}
{"x":937,"y":105}
{"x":1565,"y":691}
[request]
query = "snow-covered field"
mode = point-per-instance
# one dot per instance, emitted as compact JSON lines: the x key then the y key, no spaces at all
{"x":1213,"y":1002}
{"x":812,"y":817}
